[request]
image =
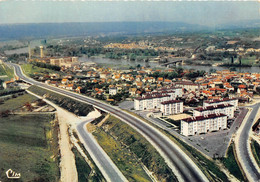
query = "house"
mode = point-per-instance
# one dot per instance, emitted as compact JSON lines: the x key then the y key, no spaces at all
{"x":167,"y":81}
{"x":132,"y":91}
{"x":105,"y":75}
{"x":78,"y":89}
{"x":159,"y":79}
{"x":190,"y":86}
{"x":64,"y":81}
{"x":113,"y":90}
{"x":70,"y":87}
{"x":8,"y":84}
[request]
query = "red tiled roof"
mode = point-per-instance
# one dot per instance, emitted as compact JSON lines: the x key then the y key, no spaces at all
{"x":219,"y":100}
{"x":200,"y":118}
{"x":171,"y":102}
{"x":213,"y":107}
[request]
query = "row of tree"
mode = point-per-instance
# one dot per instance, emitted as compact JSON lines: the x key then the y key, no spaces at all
{"x":48,"y":66}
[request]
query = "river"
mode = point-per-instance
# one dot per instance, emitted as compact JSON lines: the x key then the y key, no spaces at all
{"x":126,"y":64}
{"x":33,"y":44}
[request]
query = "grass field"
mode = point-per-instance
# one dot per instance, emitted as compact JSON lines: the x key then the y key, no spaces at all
{"x":17,"y":102}
{"x":30,"y":69}
{"x":249,"y":60}
{"x":231,"y":163}
{"x":83,"y":168}
{"x":5,"y":70}
{"x":27,"y":146}
{"x":2,"y":70}
{"x":256,"y":151}
{"x":124,"y":145}
{"x":28,"y":143}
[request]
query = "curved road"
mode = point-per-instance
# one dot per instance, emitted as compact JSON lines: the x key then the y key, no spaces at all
{"x":183,"y":167}
{"x":104,"y":163}
{"x":251,"y":170}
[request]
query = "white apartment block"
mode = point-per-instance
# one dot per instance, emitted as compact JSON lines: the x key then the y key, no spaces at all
{"x":226,"y":109}
{"x":64,"y":61}
{"x":175,"y":91}
{"x":232,"y":101}
{"x":169,"y":92}
{"x":153,"y":101}
{"x":171,"y":107}
{"x":203,"y":124}
{"x":190,"y":86}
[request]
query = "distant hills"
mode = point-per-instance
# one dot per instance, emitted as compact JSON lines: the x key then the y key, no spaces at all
{"x":18,"y":31}
{"x":241,"y":24}
{"x":43,"y":30}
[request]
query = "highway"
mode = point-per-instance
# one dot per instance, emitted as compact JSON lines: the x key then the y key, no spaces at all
{"x":251,"y":170}
{"x":102,"y":160}
{"x":183,"y":167}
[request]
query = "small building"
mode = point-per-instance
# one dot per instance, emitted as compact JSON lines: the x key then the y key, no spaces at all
{"x":133,"y":91}
{"x":64,"y":81}
{"x":112,"y":91}
{"x":190,"y":86}
{"x":8,"y":84}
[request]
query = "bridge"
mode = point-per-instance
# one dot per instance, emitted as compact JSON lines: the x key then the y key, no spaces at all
{"x":175,"y":62}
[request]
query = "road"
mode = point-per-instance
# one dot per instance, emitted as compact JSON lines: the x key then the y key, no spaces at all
{"x":102,"y":160}
{"x":183,"y":167}
{"x":251,"y":170}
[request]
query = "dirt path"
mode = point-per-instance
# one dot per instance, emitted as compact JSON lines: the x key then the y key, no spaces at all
{"x":67,"y":162}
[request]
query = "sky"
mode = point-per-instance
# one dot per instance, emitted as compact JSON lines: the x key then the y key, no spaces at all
{"x":209,"y":13}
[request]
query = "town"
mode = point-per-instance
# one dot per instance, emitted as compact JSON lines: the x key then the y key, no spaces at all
{"x":129,"y":91}
{"x":189,"y":102}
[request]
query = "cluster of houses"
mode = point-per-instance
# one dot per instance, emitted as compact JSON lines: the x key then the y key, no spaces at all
{"x":140,"y":83}
{"x":241,"y":85}
{"x":236,"y":49}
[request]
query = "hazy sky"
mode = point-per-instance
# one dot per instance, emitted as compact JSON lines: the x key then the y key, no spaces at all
{"x":204,"y":13}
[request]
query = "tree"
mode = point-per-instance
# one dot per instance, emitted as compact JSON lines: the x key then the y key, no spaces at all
{"x":132,"y":56}
{"x":240,"y":60}
{"x":232,"y":60}
{"x":212,"y":70}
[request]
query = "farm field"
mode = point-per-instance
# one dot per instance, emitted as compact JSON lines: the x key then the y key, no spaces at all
{"x":17,"y":102}
{"x":30,"y":69}
{"x":29,"y":143}
{"x":6,"y":72}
